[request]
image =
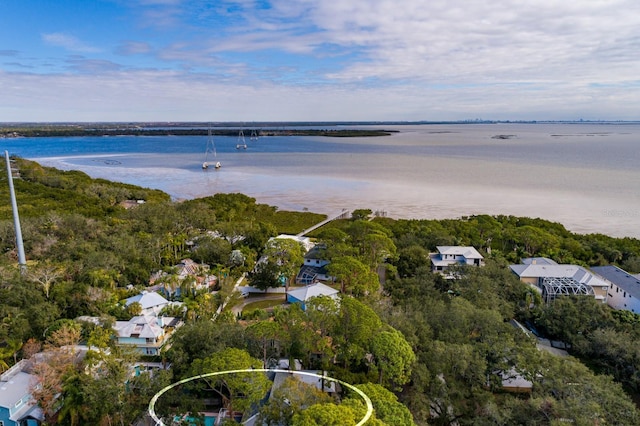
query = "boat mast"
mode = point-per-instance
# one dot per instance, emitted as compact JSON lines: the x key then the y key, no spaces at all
{"x":211,"y":149}
{"x":242,"y":143}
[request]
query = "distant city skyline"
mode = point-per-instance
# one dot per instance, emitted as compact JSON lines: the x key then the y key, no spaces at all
{"x":314,"y":60}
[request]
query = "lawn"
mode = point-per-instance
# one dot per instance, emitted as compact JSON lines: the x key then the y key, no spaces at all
{"x":263,"y":304}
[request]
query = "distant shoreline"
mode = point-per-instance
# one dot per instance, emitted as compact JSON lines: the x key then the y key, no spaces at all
{"x":106,"y":131}
{"x":257,"y":128}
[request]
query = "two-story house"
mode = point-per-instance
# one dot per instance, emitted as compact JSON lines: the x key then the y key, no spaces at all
{"x":448,"y":256}
{"x":314,"y":268}
{"x":148,"y":334}
{"x":17,"y":406}
{"x":624,"y":292}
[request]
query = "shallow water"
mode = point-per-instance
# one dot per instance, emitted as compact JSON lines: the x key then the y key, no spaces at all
{"x":585,"y":176}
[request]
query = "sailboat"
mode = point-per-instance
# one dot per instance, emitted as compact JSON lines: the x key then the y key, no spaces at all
{"x":211,"y":150}
{"x":242,"y":143}
{"x":254,"y":136}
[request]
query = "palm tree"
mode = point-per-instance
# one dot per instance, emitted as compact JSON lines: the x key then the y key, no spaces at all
{"x":8,"y":350}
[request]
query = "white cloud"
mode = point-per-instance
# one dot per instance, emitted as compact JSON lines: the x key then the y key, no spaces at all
{"x":454,"y":41}
{"x":351,"y":60}
{"x":68,"y":42}
{"x":173,"y":96}
{"x":131,"y":47}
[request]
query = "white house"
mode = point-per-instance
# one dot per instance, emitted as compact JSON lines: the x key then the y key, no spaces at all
{"x":448,"y":256}
{"x":314,"y":267}
{"x":553,"y":280}
{"x":151,"y":302}
{"x":148,"y":334}
{"x":303,"y":294}
{"x":624,"y":293}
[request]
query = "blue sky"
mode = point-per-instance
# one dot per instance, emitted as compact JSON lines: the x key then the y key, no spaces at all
{"x":313,"y":60}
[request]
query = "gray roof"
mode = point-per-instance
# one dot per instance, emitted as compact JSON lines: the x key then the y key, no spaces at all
{"x":316,"y":252}
{"x":538,"y":261}
{"x":466,"y":251}
{"x":621,"y":278}
{"x":147,"y":300}
{"x":145,"y":327}
{"x":313,"y":290}
{"x":14,"y":388}
{"x":15,"y":385}
{"x":578,"y":273}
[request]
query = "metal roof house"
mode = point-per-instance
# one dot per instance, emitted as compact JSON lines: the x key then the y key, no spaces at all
{"x":448,"y":256}
{"x":304,"y":294}
{"x":624,"y":293}
{"x":147,"y":334}
{"x":553,"y":280}
{"x":151,"y":302}
{"x":17,"y":406}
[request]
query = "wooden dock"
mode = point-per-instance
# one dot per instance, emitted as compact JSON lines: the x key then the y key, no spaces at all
{"x":344,"y":214}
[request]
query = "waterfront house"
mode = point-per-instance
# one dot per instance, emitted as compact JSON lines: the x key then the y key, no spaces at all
{"x":302,"y":295}
{"x":553,"y":280}
{"x":624,"y":292}
{"x":448,"y":256}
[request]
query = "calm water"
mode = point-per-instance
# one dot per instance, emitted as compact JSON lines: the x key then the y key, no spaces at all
{"x":586,"y":176}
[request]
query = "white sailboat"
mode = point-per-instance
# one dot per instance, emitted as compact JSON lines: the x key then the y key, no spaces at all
{"x":242,"y":143}
{"x":254,"y":135}
{"x":211,"y":150}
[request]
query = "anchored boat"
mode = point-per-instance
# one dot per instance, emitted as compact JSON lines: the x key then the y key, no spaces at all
{"x":210,"y":151}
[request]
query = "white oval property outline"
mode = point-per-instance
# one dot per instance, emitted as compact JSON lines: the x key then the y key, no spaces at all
{"x":152,"y":403}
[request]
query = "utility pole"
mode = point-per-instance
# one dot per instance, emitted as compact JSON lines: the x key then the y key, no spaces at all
{"x":22,"y":260}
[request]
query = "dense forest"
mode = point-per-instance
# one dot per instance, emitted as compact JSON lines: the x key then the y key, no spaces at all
{"x":425,"y":349}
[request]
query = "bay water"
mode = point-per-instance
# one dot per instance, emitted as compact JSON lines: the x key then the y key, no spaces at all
{"x":583,"y":175}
